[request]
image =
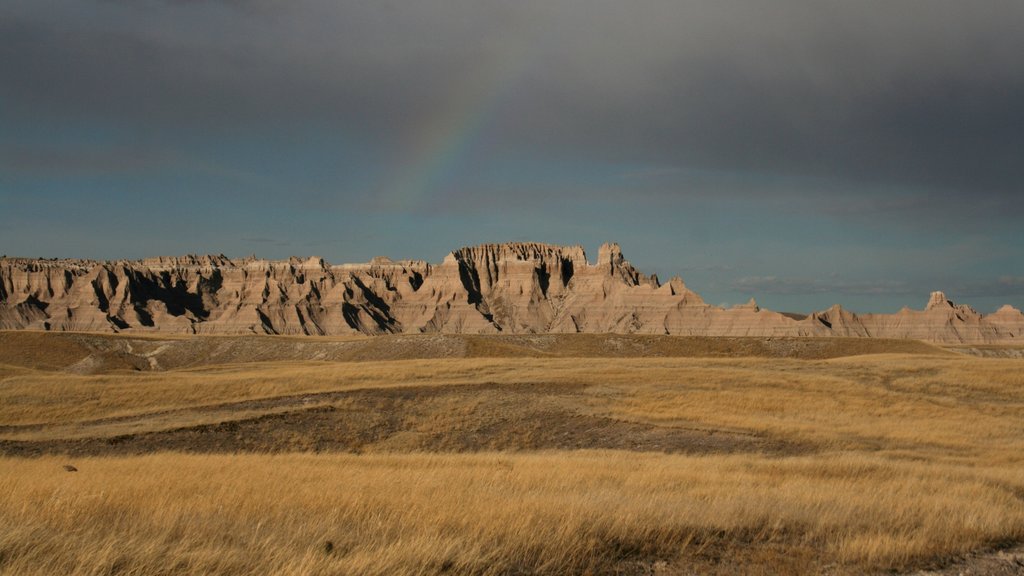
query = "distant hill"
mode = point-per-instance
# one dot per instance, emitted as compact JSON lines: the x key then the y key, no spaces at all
{"x":517,"y":288}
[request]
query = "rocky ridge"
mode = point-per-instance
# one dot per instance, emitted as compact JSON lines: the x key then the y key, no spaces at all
{"x":490,"y":288}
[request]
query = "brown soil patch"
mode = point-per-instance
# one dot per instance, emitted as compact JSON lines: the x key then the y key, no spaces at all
{"x":429,"y":419}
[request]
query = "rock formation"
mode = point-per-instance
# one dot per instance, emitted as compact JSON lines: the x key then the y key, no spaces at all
{"x":491,"y":288}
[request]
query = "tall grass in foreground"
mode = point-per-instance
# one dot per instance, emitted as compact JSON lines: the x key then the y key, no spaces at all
{"x":548,"y":513}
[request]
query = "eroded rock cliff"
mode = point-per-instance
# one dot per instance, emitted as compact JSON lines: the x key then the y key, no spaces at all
{"x":491,"y":288}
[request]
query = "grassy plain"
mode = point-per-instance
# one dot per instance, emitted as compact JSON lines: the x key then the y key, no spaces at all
{"x":570,"y":454}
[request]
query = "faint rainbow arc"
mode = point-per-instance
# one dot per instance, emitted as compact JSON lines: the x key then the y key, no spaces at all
{"x":445,"y":137}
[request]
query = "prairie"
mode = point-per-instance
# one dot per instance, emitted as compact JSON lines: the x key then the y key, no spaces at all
{"x":504,"y":455}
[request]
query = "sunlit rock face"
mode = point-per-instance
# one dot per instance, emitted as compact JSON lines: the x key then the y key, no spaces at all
{"x":204,"y":294}
{"x":491,"y":288}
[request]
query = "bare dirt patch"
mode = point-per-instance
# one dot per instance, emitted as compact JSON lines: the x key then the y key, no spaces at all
{"x":471,"y":418}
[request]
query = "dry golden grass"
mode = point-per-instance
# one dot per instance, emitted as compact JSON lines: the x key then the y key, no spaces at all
{"x":950,"y":406}
{"x":902,"y":461}
{"x":48,"y":397}
{"x":494,"y":514}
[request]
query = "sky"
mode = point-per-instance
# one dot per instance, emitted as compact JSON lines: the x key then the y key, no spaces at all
{"x":803,"y":152}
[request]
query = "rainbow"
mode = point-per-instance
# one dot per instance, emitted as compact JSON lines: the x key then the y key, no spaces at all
{"x":437,"y":147}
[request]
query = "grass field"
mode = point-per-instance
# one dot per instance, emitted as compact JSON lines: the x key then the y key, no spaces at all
{"x":504,"y":455}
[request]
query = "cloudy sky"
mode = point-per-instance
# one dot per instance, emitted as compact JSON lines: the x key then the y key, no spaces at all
{"x":805,"y":152}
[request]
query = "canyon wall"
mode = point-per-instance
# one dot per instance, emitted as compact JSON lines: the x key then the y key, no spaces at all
{"x":491,"y":288}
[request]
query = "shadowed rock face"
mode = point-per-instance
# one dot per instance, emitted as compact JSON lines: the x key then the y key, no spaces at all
{"x":491,"y":288}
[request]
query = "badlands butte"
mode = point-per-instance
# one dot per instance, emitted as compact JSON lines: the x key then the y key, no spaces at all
{"x":492,"y":288}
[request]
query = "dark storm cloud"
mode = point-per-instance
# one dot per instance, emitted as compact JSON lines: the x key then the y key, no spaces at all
{"x":919,"y":94}
{"x":34,"y":161}
{"x":369,"y":67}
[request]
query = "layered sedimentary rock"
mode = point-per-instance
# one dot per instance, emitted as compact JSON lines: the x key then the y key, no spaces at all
{"x":491,"y":288}
{"x":205,"y":294}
